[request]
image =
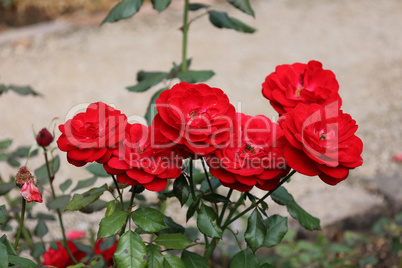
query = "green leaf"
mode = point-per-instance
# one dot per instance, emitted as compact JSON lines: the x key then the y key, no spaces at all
{"x":192,"y":209}
{"x":255,"y":231}
{"x":216,"y":198}
{"x":368,"y":261}
{"x":131,"y":251}
{"x":9,"y":247}
{"x":46,"y":217}
{"x":151,"y":110}
{"x":85,"y":183}
{"x":3,"y":214}
{"x":277,"y":228}
{"x":148,"y":82}
{"x":171,"y":261}
{"x":6,"y":187}
{"x":23,"y":152}
{"x":38,"y":249}
{"x":193,"y":260}
{"x":191,"y":76}
{"x":59,"y":202}
{"x":3,"y":256}
{"x":123,"y":10}
{"x":222,"y":20}
{"x":181,"y":189}
{"x":244,"y":259}
{"x":149,"y":219}
{"x":21,"y":262}
{"x":173,"y":241}
{"x":177,"y":68}
{"x":3,"y":89}
{"x":155,"y":257}
{"x":160,"y":5}
{"x":23,"y":90}
{"x":206,"y":225}
{"x":41,"y":229}
{"x":4,"y":144}
{"x":243,"y":5}
{"x":110,"y":208}
{"x":111,"y":225}
{"x":97,"y":170}
{"x":173,"y":227}
{"x":81,"y":200}
{"x":12,"y":161}
{"x":282,"y":197}
{"x":95,"y":206}
{"x":196,"y":6}
{"x":64,"y":186}
{"x":3,"y":156}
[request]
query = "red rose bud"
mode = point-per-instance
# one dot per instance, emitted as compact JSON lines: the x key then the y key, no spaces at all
{"x":75,"y":234}
{"x":30,"y":192}
{"x":23,"y":176}
{"x":44,"y":137}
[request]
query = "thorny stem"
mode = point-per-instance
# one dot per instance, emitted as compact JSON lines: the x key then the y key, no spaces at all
{"x":208,"y":180}
{"x":130,"y":207}
{"x":63,"y":232}
{"x":224,"y":207}
{"x":118,"y":191}
{"x":235,"y":236}
{"x":191,"y":178}
{"x":17,"y":239}
{"x":229,"y":221}
{"x":185,"y":35}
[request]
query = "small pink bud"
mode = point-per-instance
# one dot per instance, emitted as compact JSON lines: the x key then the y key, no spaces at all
{"x":44,"y":137}
{"x":30,"y":192}
{"x":75,"y":234}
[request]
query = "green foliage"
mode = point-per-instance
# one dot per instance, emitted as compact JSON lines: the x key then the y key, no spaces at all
{"x":256,"y":230}
{"x":244,"y":259}
{"x":193,"y":260}
{"x":112,"y":225}
{"x":277,"y":229}
{"x":243,"y":5}
{"x":206,"y":224}
{"x":81,"y":200}
{"x":20,"y":90}
{"x":131,"y":251}
{"x":223,"y":20}
{"x":123,"y":10}
{"x":173,"y":241}
{"x":160,"y":5}
{"x":149,"y":219}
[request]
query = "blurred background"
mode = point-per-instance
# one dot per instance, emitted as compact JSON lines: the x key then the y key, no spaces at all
{"x":62,"y":52}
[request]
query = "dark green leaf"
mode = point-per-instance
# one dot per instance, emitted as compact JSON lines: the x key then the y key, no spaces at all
{"x":21,"y":262}
{"x":97,"y":170}
{"x":23,"y":152}
{"x":38,"y":249}
{"x":3,"y":214}
{"x":155,"y":257}
{"x":191,"y":76}
{"x":110,"y":208}
{"x":23,"y":90}
{"x":192,"y":209}
{"x":173,"y":241}
{"x":244,"y":259}
{"x":160,"y":5}
{"x":206,"y":225}
{"x":171,"y":261}
{"x":368,"y":261}
{"x":3,"y":256}
{"x":196,"y":6}
{"x":282,"y":197}
{"x":131,"y":251}
{"x":243,"y":5}
{"x":46,"y":217}
{"x":149,"y":219}
{"x":59,"y":202}
{"x":12,"y":161}
{"x":215,"y":198}
{"x":64,"y":186}
{"x":4,"y":156}
{"x":177,"y":68}
{"x":277,"y":228}
{"x":267,"y":265}
{"x":112,"y":225}
{"x":4,"y":144}
{"x":151,"y":110}
{"x":148,"y":82}
{"x":123,"y":10}
{"x":193,"y":260}
{"x":81,"y":200}
{"x":255,"y":231}
{"x":3,"y":89}
{"x":6,"y":187}
{"x":181,"y":189}
{"x":222,"y":20}
{"x":205,"y":186}
{"x":41,"y":229}
{"x":9,"y":247}
{"x":85,"y":183}
{"x":95,"y":206}
{"x":173,"y":227}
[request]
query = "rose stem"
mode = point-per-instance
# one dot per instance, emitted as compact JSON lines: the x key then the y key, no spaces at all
{"x":191,"y":177}
{"x":118,"y":191}
{"x":17,"y":239}
{"x":224,"y":207}
{"x":63,"y":232}
{"x":185,"y":35}
{"x":209,"y":182}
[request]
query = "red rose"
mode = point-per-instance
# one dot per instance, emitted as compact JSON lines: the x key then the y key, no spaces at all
{"x":60,"y":258}
{"x":300,"y":83}
{"x":254,"y":158}
{"x":107,"y":253}
{"x":44,"y":137}
{"x":30,"y":192}
{"x":142,"y":159}
{"x":197,"y":116}
{"x":91,"y":135}
{"x":322,"y":142}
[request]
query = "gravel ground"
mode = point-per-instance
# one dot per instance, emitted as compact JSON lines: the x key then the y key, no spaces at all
{"x":360,"y":41}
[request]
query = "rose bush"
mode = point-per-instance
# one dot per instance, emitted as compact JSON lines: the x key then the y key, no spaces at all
{"x":59,"y":257}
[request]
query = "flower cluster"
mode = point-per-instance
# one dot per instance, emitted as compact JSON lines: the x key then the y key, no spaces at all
{"x":313,"y":136}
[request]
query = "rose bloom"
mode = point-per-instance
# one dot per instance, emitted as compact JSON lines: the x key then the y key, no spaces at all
{"x":75,"y":234}
{"x":254,"y":158}
{"x":107,"y":253}
{"x":322,"y":142}
{"x":60,"y":258}
{"x":197,"y":116}
{"x":300,"y":83}
{"x":91,"y":135}
{"x":30,"y":192}
{"x":141,"y":159}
